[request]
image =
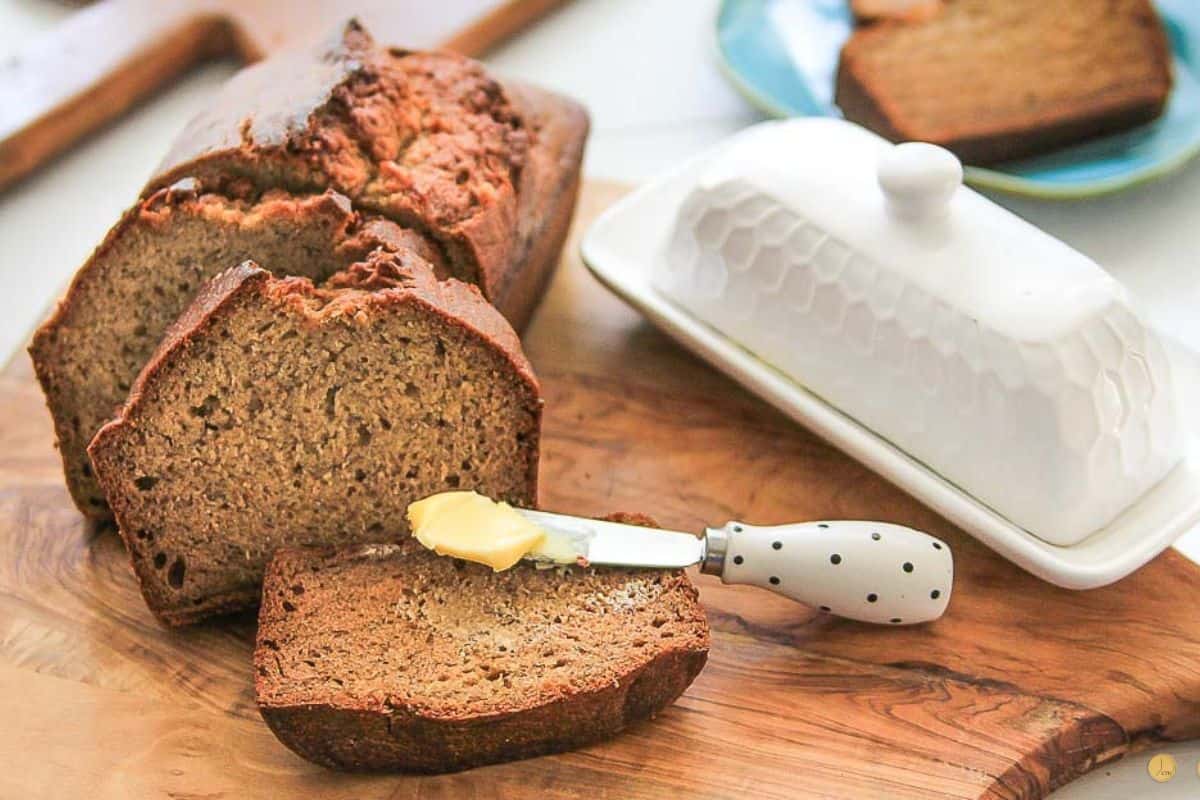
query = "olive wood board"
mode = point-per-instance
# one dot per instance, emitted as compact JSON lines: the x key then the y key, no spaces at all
{"x":104,"y":58}
{"x":1020,"y":688}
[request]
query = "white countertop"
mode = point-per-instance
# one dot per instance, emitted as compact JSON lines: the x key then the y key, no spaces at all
{"x":647,"y":72}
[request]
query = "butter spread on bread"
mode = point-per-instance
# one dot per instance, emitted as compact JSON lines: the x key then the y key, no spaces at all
{"x":470,"y":526}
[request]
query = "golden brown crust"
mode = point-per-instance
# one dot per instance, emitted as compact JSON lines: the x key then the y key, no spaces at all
{"x":426,"y":139}
{"x":988,"y":95}
{"x":546,"y":195}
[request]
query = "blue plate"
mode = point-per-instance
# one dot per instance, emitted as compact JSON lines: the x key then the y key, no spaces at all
{"x":782,"y":55}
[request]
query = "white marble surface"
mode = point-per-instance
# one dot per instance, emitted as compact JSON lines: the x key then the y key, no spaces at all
{"x":646,"y":69}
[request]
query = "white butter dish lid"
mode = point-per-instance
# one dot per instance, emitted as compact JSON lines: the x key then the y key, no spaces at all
{"x":1071,"y":393}
{"x":1008,"y":362}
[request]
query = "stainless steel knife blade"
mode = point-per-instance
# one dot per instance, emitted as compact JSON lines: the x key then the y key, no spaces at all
{"x":616,"y":544}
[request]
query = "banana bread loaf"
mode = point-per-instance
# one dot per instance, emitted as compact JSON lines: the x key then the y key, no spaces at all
{"x":428,"y":140}
{"x":481,"y":179}
{"x":276,"y":412}
{"x":995,"y":81}
{"x":389,"y":657}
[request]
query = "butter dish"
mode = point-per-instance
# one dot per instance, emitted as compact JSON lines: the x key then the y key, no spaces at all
{"x":990,"y":370}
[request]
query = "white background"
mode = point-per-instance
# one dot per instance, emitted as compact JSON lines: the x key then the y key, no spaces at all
{"x":647,"y":72}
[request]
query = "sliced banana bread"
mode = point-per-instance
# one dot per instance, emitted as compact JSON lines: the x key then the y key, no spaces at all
{"x":429,"y":140}
{"x":482,"y":180}
{"x":146,"y":273}
{"x":995,"y":81}
{"x":279,"y":413}
{"x":389,"y":657}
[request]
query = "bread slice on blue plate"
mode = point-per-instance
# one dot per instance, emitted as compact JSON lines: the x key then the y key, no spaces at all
{"x":996,"y":81}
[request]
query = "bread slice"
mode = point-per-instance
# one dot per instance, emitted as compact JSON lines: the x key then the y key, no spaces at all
{"x":146,"y":272}
{"x":995,"y":81}
{"x":279,"y":413}
{"x":427,"y":139}
{"x":392,"y":658}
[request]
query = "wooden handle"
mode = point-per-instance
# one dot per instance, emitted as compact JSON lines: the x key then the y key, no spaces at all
{"x":90,"y":69}
{"x":499,"y":25}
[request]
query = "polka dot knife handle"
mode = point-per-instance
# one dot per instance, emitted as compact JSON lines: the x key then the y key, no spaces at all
{"x":868,"y":571}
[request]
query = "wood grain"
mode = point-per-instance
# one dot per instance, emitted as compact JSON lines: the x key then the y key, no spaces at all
{"x":103,"y":59}
{"x":1020,"y":688}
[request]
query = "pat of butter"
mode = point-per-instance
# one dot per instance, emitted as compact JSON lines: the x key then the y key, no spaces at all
{"x":470,"y":526}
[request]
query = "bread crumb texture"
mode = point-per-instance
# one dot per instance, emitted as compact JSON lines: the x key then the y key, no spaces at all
{"x":391,"y":657}
{"x":278,"y":412}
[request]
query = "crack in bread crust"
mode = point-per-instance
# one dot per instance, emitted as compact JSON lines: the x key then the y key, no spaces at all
{"x":428,"y":140}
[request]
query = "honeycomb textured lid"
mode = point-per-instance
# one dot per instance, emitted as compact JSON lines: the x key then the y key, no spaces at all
{"x":904,"y":206}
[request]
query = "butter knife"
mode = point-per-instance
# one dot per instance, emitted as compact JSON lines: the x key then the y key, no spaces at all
{"x":868,"y":571}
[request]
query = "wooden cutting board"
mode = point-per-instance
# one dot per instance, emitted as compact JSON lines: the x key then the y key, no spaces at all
{"x":102,"y":59}
{"x":1019,"y":689}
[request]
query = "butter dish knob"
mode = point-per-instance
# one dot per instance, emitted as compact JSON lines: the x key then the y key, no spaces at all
{"x":919,"y":179}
